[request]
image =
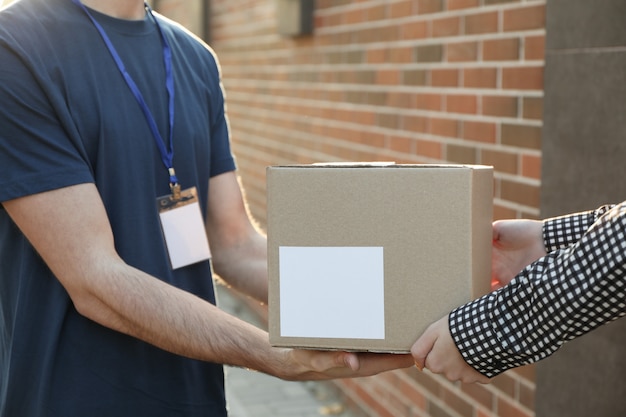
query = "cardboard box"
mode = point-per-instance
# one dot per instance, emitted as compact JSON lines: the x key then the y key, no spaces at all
{"x":364,"y":257}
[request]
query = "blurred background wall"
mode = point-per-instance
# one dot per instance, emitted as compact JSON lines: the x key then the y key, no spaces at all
{"x":442,"y":81}
{"x":421,"y":81}
{"x":411,"y":81}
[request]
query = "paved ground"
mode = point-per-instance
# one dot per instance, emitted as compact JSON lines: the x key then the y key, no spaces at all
{"x":253,"y":394}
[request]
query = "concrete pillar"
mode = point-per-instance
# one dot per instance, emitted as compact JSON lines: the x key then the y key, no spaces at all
{"x":584,"y":166}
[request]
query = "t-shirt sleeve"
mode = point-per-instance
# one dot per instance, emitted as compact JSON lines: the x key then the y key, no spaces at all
{"x":37,"y":151}
{"x":222,"y":159}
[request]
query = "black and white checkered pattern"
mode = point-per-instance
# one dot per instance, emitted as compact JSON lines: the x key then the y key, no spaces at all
{"x":577,"y":287}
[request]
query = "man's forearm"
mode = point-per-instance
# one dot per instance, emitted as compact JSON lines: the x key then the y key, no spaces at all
{"x":244,"y":266}
{"x":144,"y":307}
{"x":70,"y":230}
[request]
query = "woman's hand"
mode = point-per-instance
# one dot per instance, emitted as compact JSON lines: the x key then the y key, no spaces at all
{"x":516,"y":244}
{"x":436,"y":351}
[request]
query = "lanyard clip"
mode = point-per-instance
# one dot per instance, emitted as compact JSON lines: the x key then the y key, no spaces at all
{"x":175,"y":188}
{"x":174,"y":185}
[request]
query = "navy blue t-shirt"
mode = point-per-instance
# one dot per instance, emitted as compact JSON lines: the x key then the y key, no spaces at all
{"x":67,"y":117}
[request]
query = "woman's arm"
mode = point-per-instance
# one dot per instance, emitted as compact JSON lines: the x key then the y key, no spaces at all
{"x":561,"y":296}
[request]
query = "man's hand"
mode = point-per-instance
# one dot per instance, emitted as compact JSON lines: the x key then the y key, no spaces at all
{"x":516,"y":244}
{"x":319,"y":365}
{"x":436,"y":351}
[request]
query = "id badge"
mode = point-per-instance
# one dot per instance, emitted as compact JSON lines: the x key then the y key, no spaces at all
{"x":183,"y":228}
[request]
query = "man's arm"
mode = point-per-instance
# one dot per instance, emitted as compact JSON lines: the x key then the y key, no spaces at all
{"x":238,"y":247}
{"x":70,"y":230}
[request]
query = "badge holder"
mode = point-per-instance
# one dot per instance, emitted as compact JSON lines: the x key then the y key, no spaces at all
{"x":183,"y":227}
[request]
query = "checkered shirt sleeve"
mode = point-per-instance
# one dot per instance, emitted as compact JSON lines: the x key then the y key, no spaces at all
{"x":560,"y":232}
{"x":578,"y":286}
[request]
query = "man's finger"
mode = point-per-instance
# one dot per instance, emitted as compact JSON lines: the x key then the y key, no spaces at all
{"x":351,"y":361}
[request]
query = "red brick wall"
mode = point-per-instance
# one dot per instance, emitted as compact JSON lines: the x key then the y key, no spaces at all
{"x":412,"y":81}
{"x":415,"y":81}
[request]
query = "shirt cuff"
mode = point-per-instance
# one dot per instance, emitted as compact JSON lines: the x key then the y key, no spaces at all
{"x":474,"y":336}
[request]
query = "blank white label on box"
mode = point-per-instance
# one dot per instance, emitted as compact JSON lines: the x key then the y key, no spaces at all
{"x":332,"y":292}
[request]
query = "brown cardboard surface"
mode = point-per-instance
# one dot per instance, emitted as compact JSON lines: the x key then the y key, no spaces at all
{"x":432,"y":221}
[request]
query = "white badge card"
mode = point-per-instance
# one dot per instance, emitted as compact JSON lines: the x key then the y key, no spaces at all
{"x":183,"y":228}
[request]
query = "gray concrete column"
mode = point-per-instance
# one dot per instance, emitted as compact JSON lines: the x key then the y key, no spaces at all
{"x":584,"y":166}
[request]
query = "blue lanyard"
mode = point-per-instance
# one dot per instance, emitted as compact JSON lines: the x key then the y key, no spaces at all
{"x":167,"y":155}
